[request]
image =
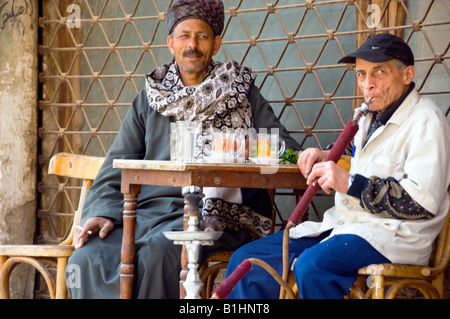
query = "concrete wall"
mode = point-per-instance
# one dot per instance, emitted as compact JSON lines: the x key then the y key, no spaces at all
{"x":18,"y":131}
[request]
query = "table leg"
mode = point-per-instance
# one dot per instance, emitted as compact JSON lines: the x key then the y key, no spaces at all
{"x":128,"y":241}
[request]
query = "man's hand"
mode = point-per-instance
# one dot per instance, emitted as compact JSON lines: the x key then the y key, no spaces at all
{"x":329,"y":176}
{"x":308,"y":158}
{"x":100,"y":225}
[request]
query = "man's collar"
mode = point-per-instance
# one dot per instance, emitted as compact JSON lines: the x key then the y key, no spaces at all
{"x":384,"y":117}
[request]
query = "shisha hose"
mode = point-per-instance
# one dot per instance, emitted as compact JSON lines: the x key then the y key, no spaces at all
{"x":223,"y":290}
{"x":334,"y":155}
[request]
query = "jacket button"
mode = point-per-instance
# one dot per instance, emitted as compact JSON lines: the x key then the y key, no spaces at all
{"x":345,"y":202}
{"x":340,"y":222}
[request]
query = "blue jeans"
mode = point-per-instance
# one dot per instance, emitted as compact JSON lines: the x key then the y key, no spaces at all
{"x":323,"y":270}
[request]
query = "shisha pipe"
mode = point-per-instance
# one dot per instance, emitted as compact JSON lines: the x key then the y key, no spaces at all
{"x":334,"y":155}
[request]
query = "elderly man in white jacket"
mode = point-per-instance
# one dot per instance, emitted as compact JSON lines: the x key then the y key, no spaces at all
{"x":390,"y":206}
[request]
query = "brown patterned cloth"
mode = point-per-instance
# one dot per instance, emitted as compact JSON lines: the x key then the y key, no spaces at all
{"x":210,"y":11}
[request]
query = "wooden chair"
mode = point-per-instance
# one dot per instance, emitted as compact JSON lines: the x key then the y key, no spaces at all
{"x":386,"y":280}
{"x":63,"y":164}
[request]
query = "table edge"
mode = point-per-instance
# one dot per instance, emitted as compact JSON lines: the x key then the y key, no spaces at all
{"x":183,"y":166}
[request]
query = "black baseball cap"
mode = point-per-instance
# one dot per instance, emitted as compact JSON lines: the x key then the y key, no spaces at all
{"x":381,"y":48}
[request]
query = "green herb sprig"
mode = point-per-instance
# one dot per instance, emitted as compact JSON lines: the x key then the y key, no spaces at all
{"x":289,"y":157}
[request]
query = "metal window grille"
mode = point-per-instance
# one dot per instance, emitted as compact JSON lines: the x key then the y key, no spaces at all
{"x":94,"y":55}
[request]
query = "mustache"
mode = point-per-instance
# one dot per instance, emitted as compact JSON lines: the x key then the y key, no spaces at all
{"x":192,"y":52}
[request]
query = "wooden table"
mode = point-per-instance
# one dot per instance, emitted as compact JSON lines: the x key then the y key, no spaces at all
{"x":178,"y":174}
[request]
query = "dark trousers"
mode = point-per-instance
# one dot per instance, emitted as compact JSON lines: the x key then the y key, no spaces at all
{"x":323,"y":269}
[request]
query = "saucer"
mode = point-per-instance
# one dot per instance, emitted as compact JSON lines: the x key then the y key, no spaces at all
{"x":265,"y":161}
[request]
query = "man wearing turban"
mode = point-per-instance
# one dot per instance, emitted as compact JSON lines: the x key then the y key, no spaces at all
{"x":190,"y":87}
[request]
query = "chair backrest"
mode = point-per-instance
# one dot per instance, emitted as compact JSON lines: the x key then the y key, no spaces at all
{"x":76,"y":166}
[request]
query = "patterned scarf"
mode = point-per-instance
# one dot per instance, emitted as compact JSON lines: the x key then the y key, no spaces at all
{"x":220,"y":102}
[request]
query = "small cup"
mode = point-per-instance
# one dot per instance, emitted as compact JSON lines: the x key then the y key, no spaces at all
{"x":277,"y":146}
{"x":185,"y":141}
{"x":234,"y":147}
{"x":270,"y":146}
{"x":223,"y":147}
{"x":263,"y":150}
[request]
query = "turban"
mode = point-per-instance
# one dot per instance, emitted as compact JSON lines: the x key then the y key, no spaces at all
{"x":210,"y":11}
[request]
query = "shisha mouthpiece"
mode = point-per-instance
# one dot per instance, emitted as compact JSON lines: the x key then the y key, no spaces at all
{"x":362,"y":110}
